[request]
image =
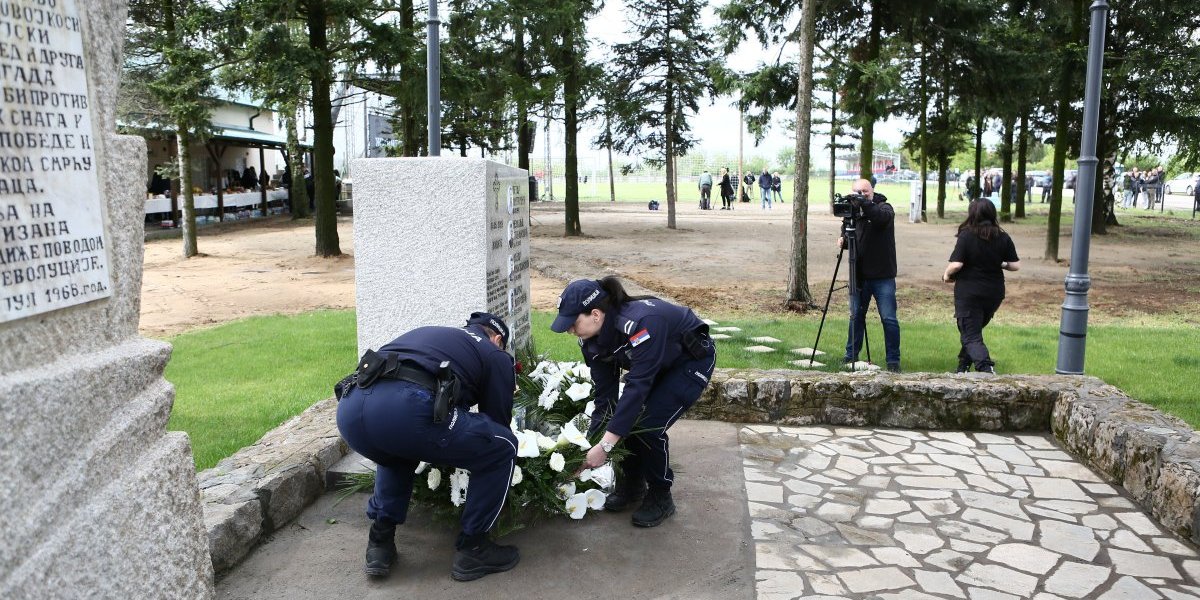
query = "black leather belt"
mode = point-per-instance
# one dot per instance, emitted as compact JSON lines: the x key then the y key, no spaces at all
{"x":413,"y":374}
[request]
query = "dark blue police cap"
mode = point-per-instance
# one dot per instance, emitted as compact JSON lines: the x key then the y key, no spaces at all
{"x":489,"y":320}
{"x":579,"y":297}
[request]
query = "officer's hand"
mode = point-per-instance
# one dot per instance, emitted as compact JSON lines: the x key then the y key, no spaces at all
{"x":596,"y":457}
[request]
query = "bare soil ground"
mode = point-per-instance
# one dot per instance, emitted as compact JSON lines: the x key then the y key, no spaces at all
{"x":720,"y":262}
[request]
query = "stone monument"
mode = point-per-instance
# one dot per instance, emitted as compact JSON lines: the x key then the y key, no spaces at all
{"x":98,"y":500}
{"x":436,"y":239}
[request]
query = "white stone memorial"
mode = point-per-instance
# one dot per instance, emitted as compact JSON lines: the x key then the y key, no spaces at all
{"x":436,"y":239}
{"x":99,"y":500}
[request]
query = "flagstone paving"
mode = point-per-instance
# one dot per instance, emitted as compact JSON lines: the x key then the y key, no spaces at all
{"x":907,"y":515}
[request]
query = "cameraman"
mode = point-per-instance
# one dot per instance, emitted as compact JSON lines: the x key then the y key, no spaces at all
{"x":875,"y":236}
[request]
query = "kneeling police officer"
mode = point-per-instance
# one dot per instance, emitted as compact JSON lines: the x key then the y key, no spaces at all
{"x":409,"y":403}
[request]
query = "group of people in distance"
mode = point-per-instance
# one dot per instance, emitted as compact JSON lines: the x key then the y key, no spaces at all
{"x":388,"y":410}
{"x":770,"y":188}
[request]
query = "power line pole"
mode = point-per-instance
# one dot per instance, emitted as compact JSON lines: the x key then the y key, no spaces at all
{"x":433,"y":69}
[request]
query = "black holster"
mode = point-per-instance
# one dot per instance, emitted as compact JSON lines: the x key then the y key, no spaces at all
{"x":445,"y":396}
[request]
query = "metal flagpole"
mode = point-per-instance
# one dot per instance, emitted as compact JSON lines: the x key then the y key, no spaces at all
{"x":1072,"y":336}
{"x":433,"y":69}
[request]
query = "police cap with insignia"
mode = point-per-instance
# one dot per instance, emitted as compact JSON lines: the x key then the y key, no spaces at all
{"x":580,"y":296}
{"x":495,"y":323}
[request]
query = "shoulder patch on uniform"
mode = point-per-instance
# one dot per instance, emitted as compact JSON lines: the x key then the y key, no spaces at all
{"x":626,"y":325}
{"x":639,"y":337}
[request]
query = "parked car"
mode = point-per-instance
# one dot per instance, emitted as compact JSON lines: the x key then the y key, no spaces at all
{"x":1038,"y":177}
{"x":1183,"y":183}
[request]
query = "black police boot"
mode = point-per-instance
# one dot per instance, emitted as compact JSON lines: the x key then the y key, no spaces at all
{"x":478,"y":556}
{"x":655,"y":509}
{"x":624,"y":496}
{"x":963,"y":367}
{"x":381,"y":548}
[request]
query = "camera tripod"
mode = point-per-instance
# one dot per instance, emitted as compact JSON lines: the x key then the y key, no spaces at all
{"x":849,"y":234}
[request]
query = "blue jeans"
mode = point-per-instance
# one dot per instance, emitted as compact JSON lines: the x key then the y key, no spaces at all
{"x":884,"y":291}
{"x":766,"y":197}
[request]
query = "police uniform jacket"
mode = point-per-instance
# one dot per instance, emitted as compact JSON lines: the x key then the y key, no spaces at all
{"x":485,"y":372}
{"x":644,"y":338}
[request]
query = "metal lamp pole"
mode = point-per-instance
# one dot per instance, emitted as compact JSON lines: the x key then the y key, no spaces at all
{"x":1072,"y":336}
{"x":433,"y":70}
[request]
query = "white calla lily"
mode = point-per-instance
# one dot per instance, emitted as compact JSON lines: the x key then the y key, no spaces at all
{"x":421,"y":466}
{"x":577,"y":506}
{"x":595,"y":499}
{"x":579,"y":390}
{"x":545,"y":442}
{"x":434,"y":479}
{"x":571,"y":435}
{"x":527,"y":443}
{"x":566,"y":490}
{"x":557,"y":462}
{"x":459,"y":480}
{"x":603,"y":475}
{"x":517,"y":477}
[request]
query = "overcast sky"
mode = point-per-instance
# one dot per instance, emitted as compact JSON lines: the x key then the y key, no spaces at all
{"x":716,"y":125}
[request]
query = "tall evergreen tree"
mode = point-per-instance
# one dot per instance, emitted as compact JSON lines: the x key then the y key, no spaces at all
{"x":666,"y":70}
{"x":166,"y":55}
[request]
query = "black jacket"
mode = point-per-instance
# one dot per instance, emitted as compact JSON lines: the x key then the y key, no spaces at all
{"x":876,"y":235}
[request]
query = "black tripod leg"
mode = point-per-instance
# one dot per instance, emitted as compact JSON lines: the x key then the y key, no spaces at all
{"x":825,"y":311}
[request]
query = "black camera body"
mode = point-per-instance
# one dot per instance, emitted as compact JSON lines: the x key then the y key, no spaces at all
{"x":848,"y":206}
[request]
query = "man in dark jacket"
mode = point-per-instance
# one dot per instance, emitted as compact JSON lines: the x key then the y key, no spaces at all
{"x":875,"y":236}
{"x":764,"y":186}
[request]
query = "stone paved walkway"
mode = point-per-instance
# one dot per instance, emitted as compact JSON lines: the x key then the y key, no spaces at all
{"x":906,"y":515}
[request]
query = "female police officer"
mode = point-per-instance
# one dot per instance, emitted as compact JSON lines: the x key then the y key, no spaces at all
{"x":391,"y":417}
{"x":670,"y":358}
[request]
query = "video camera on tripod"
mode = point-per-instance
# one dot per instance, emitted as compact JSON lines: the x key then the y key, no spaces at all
{"x":849,"y":206}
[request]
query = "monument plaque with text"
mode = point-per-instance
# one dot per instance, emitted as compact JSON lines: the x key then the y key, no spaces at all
{"x":52,"y":238}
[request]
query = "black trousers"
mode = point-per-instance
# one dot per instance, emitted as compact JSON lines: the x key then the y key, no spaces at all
{"x":972,"y":315}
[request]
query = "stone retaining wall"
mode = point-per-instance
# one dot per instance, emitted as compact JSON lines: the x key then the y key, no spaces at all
{"x":1155,"y":457}
{"x":264,"y":486}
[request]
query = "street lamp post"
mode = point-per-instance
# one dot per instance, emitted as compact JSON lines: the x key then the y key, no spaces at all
{"x":433,"y":69}
{"x":1072,"y":335}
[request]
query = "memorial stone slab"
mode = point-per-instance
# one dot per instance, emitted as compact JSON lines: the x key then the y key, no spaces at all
{"x":436,"y":239}
{"x":100,"y":500}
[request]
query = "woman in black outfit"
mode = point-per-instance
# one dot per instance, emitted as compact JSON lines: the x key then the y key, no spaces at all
{"x":977,"y":264}
{"x":726,"y":190}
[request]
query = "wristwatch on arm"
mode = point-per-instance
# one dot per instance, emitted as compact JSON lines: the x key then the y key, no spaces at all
{"x":607,"y":446}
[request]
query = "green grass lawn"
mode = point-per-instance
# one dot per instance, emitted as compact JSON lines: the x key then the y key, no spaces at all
{"x":238,"y":381}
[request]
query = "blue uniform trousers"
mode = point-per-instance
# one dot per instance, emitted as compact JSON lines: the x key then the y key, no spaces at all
{"x":391,"y":423}
{"x":675,"y":391}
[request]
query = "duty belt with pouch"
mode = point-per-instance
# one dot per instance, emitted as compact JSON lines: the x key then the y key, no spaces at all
{"x":375,"y":365}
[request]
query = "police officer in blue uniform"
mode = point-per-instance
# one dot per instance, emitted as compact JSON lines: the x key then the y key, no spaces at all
{"x":409,"y":403}
{"x":669,"y":358}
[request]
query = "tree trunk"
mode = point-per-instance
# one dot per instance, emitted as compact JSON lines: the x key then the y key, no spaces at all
{"x":974,"y":190}
{"x":184,"y":140}
{"x":571,"y":85}
{"x":799,"y":297}
{"x":669,"y":123}
{"x":297,"y":194}
{"x":411,"y":77}
{"x":1006,"y":155}
{"x":943,"y":166}
{"x":833,"y":129}
{"x":1103,"y":198}
{"x":924,"y":127}
{"x":1065,"y":95}
{"x":866,"y":152}
{"x":1022,"y":151}
{"x":612,"y":182}
{"x":525,"y":130}
{"x":323,"y":184}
